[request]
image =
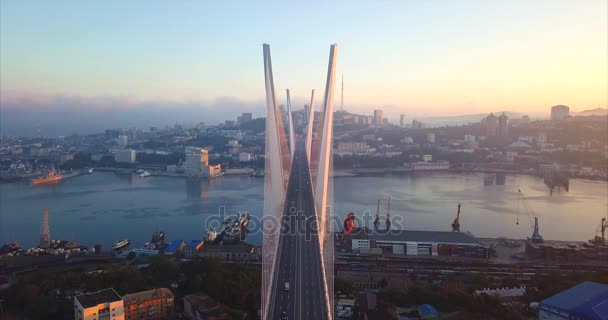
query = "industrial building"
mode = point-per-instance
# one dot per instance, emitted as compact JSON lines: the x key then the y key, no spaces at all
{"x":175,"y":247}
{"x":414,"y":243}
{"x":151,"y":304}
{"x":105,"y":304}
{"x":586,"y":301}
{"x":191,"y":249}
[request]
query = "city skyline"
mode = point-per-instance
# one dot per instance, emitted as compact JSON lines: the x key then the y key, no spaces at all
{"x":116,"y":57}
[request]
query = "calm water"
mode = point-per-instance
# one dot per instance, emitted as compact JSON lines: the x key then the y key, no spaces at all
{"x":107,"y":206}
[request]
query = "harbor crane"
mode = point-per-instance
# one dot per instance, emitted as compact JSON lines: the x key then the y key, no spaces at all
{"x":601,"y":229}
{"x":377,"y":219}
{"x":456,"y":223}
{"x":536,"y":237}
{"x":388,"y":214}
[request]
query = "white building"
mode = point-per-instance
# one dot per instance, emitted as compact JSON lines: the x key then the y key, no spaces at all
{"x":430,"y":137}
{"x":468,"y":138}
{"x":244,"y":157}
{"x":427,"y":158}
{"x":123,"y":140}
{"x":124,"y":155}
{"x":197,"y":163}
{"x":101,"y":305}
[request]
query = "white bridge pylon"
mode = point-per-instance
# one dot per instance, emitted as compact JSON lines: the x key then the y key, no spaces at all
{"x":279,"y":153}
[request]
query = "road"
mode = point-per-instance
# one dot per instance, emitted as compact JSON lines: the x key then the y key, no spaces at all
{"x":298,"y":254}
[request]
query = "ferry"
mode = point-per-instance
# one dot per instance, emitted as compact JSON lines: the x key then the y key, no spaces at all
{"x":52,"y":177}
{"x":145,"y":174}
{"x":121,"y":244}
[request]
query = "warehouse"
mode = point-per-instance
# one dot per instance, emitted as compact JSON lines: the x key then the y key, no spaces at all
{"x":429,"y":243}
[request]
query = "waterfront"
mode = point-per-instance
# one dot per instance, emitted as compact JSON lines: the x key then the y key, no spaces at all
{"x":107,"y":206}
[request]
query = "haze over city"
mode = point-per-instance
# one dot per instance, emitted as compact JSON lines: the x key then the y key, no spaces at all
{"x":78,"y":67}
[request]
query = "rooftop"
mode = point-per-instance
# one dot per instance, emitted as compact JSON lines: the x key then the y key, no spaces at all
{"x":425,"y":236}
{"x":174,"y":245}
{"x":194,"y":243}
{"x":589,"y":299}
{"x":147,"y":295}
{"x":89,"y":300}
{"x":205,"y":305}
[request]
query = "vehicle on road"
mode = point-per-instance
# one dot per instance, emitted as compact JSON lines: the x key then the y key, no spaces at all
{"x":286,"y":286}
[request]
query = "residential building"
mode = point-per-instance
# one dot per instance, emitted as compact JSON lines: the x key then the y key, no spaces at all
{"x":245,"y":117}
{"x":559,"y":113}
{"x":155,"y":304}
{"x":378,"y":116}
{"x":105,"y":304}
{"x":503,"y":126}
{"x":125,"y":155}
{"x":201,"y":306}
{"x":586,"y":301}
{"x":491,"y":125}
{"x":123,"y":140}
{"x":430,"y":137}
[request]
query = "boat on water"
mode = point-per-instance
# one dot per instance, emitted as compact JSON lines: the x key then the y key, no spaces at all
{"x":157,"y":242}
{"x":145,"y":174}
{"x":52,"y":177}
{"x":121,"y":244}
{"x":90,"y":171}
{"x":232,"y":230}
{"x":140,"y":171}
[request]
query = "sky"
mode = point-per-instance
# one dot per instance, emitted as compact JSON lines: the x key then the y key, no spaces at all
{"x":85,"y":65}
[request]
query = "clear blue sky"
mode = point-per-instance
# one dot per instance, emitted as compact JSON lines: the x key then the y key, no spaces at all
{"x":416,"y":57}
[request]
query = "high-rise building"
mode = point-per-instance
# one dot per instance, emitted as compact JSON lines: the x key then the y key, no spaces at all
{"x":123,"y":140}
{"x":101,"y":305}
{"x":124,"y":155}
{"x":430,"y":137}
{"x":197,"y":163}
{"x":244,"y":118}
{"x":151,"y":304}
{"x":503,"y":126}
{"x":378,"y":116}
{"x":491,"y":125}
{"x":402,"y":121}
{"x":559,"y":113}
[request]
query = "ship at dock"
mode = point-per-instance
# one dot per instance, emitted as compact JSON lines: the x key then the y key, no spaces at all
{"x":232,"y":231}
{"x":121,"y":244}
{"x":53,"y":176}
{"x":157,"y":242}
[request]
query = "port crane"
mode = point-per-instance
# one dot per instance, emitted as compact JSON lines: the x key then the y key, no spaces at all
{"x":536,"y":237}
{"x":601,"y":229}
{"x":456,"y":223}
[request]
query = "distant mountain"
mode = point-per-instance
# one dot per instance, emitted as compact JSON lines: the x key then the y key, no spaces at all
{"x":592,"y":112}
{"x":465,"y":119}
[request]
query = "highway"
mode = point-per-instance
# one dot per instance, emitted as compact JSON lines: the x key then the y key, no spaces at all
{"x":298,"y":254}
